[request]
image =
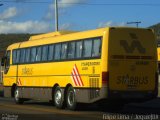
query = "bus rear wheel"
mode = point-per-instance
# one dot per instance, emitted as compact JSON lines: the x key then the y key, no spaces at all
{"x":17,"y":98}
{"x":58,"y":98}
{"x":71,"y":99}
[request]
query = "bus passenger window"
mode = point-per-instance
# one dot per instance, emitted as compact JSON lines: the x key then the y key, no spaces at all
{"x":96,"y":52}
{"x":79,"y":49}
{"x":22,"y":55}
{"x":38,"y":56}
{"x":27,"y":57}
{"x":71,"y":50}
{"x":8,"y":59}
{"x":44,"y":53}
{"x":33,"y":54}
{"x":18,"y":56}
{"x":57,"y":52}
{"x":50,"y":52}
{"x":14,"y":53}
{"x":87,"y":48}
{"x":64,"y":51}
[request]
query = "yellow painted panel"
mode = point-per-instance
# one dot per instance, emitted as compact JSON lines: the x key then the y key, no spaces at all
{"x":132,"y":59}
{"x":48,"y":74}
{"x":10,"y":78}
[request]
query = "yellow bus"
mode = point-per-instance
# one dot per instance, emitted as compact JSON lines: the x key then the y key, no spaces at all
{"x":82,"y":67}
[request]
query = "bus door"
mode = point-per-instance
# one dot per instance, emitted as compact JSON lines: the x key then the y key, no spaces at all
{"x":6,"y":62}
{"x":9,"y":74}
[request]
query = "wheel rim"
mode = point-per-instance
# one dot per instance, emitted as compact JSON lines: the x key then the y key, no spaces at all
{"x":71,"y":98}
{"x":58,"y":97}
{"x":16,"y":95}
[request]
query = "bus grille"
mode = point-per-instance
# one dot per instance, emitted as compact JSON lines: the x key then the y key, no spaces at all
{"x":94,"y":84}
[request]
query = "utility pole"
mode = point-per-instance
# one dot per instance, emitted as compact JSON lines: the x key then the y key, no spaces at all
{"x":56,"y":15}
{"x":137,"y":23}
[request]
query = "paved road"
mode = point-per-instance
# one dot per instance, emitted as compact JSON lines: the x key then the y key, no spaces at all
{"x":45,"y":111}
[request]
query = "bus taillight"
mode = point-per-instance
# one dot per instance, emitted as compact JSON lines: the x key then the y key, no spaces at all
{"x":105,"y":77}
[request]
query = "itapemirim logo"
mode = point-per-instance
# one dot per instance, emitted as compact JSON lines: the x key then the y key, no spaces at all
{"x":135,"y":44}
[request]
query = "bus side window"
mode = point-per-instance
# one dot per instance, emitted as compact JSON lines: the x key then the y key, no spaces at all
{"x":44,"y":52}
{"x":96,"y":52}
{"x":78,"y":49}
{"x":50,"y":52}
{"x":87,"y":49}
{"x":57,"y":51}
{"x":33,"y":54}
{"x":14,"y":54}
{"x":22,"y":55}
{"x":71,"y":50}
{"x":39,"y":54}
{"x":64,"y":51}
{"x":17,"y":57}
{"x":27,"y":56}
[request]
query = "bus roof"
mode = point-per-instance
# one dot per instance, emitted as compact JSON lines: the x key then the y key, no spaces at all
{"x":52,"y":34}
{"x":62,"y":36}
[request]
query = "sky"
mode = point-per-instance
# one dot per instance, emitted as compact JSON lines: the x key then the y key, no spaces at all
{"x":37,"y":16}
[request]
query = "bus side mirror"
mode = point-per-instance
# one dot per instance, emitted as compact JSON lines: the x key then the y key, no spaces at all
{"x":3,"y":61}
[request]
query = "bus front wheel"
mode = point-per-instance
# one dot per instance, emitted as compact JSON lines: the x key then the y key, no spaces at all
{"x":71,"y":99}
{"x":17,"y":98}
{"x":58,"y":98}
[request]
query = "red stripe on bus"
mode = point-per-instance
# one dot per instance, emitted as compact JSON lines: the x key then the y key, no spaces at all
{"x":79,"y":75}
{"x":74,"y":79}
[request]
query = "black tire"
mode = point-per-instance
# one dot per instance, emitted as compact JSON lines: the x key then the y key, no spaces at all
{"x":17,"y":99}
{"x":71,"y":99}
{"x":58,"y":98}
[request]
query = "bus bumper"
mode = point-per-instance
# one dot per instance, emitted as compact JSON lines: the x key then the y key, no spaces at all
{"x":132,"y":95}
{"x":95,"y":95}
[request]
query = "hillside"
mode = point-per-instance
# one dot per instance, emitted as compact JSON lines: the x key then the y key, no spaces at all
{"x":156,"y":28}
{"x":7,"y":39}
